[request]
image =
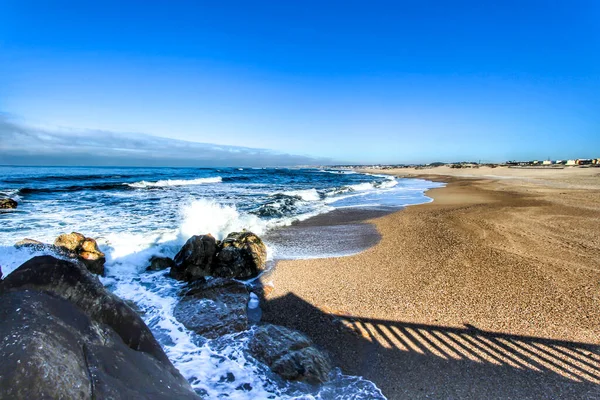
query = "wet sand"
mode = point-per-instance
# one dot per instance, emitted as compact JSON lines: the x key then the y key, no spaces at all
{"x":338,"y":233}
{"x":491,"y":291}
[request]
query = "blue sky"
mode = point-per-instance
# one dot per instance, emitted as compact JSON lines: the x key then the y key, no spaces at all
{"x":363,"y":82}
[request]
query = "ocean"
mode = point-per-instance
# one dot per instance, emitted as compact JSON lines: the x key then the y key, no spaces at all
{"x":136,"y":213}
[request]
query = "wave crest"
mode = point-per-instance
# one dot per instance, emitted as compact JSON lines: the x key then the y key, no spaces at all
{"x":206,"y":216}
{"x":175,"y":182}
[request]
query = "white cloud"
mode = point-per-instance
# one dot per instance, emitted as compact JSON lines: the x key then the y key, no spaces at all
{"x":21,"y":144}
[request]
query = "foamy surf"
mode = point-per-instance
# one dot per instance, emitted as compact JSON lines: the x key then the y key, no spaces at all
{"x":306,"y":195}
{"x":175,"y":182}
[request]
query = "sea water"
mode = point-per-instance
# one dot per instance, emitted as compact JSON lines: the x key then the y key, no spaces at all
{"x":137,"y":213}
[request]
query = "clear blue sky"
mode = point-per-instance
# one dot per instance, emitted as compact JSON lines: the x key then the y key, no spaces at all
{"x":368,"y":81}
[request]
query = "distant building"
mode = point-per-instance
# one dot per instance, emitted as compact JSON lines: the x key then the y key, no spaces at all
{"x":584,"y":161}
{"x":547,"y":162}
{"x":571,"y":162}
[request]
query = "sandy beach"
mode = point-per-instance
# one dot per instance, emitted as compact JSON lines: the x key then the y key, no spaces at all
{"x":490,"y":291}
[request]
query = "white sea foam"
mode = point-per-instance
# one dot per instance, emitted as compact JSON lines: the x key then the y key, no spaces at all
{"x":362,"y":186}
{"x":389,"y":182}
{"x":175,"y":182}
{"x":338,"y":171}
{"x":306,"y":195}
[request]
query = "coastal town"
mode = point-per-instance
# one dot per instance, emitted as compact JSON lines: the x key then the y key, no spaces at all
{"x":543,"y":164}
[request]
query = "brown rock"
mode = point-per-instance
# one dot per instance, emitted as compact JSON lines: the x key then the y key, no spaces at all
{"x":70,"y":241}
{"x":8,"y":204}
{"x":90,"y":245}
{"x":31,"y":243}
{"x":76,"y":245}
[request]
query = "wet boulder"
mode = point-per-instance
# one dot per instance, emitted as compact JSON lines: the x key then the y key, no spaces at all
{"x":160,"y":263}
{"x":70,"y":241}
{"x":195,"y":259}
{"x":76,"y":340}
{"x":8,"y":204}
{"x":214,"y":308}
{"x":289,"y":354}
{"x":75,"y":245}
{"x":242,"y":255}
{"x":33,"y":244}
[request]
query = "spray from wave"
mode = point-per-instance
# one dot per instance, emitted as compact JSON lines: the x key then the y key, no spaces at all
{"x":206,"y":216}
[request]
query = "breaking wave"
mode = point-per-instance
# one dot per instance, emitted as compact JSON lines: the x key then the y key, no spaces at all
{"x":175,"y":182}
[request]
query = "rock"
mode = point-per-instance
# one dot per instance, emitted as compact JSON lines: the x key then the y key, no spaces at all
{"x":76,"y":245}
{"x":243,"y":255}
{"x":195,"y":259}
{"x":8,"y":204}
{"x":35,"y":244}
{"x":89,"y":245}
{"x":63,"y":336}
{"x":70,"y":241}
{"x":73,"y":282}
{"x":289,"y":354}
{"x":214,"y":308}
{"x":160,"y":263}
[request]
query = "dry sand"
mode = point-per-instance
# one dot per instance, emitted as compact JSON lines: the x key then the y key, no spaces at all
{"x":491,"y":291}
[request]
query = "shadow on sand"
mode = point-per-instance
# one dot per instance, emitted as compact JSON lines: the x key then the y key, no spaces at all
{"x":408,"y":360}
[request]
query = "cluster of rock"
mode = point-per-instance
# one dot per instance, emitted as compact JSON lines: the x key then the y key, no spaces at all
{"x":63,"y":336}
{"x":240,"y":255}
{"x":92,"y":326}
{"x":8,"y":204}
{"x":75,"y":246}
{"x":218,"y":305}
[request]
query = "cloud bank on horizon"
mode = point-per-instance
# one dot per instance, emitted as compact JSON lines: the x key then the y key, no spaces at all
{"x":21,"y":144}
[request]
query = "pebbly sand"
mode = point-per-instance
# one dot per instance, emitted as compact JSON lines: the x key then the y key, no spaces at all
{"x":491,"y":291}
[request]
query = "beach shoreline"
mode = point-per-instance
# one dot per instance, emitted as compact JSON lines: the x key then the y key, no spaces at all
{"x":493,"y":270}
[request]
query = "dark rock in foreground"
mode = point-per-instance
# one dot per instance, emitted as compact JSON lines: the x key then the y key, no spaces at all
{"x":195,"y":259}
{"x":64,"y":336}
{"x":240,"y":255}
{"x":72,"y":282}
{"x":8,"y":204}
{"x":214,"y":308}
{"x":243,"y":255}
{"x":76,"y":245}
{"x":160,"y":263}
{"x":289,"y":354}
